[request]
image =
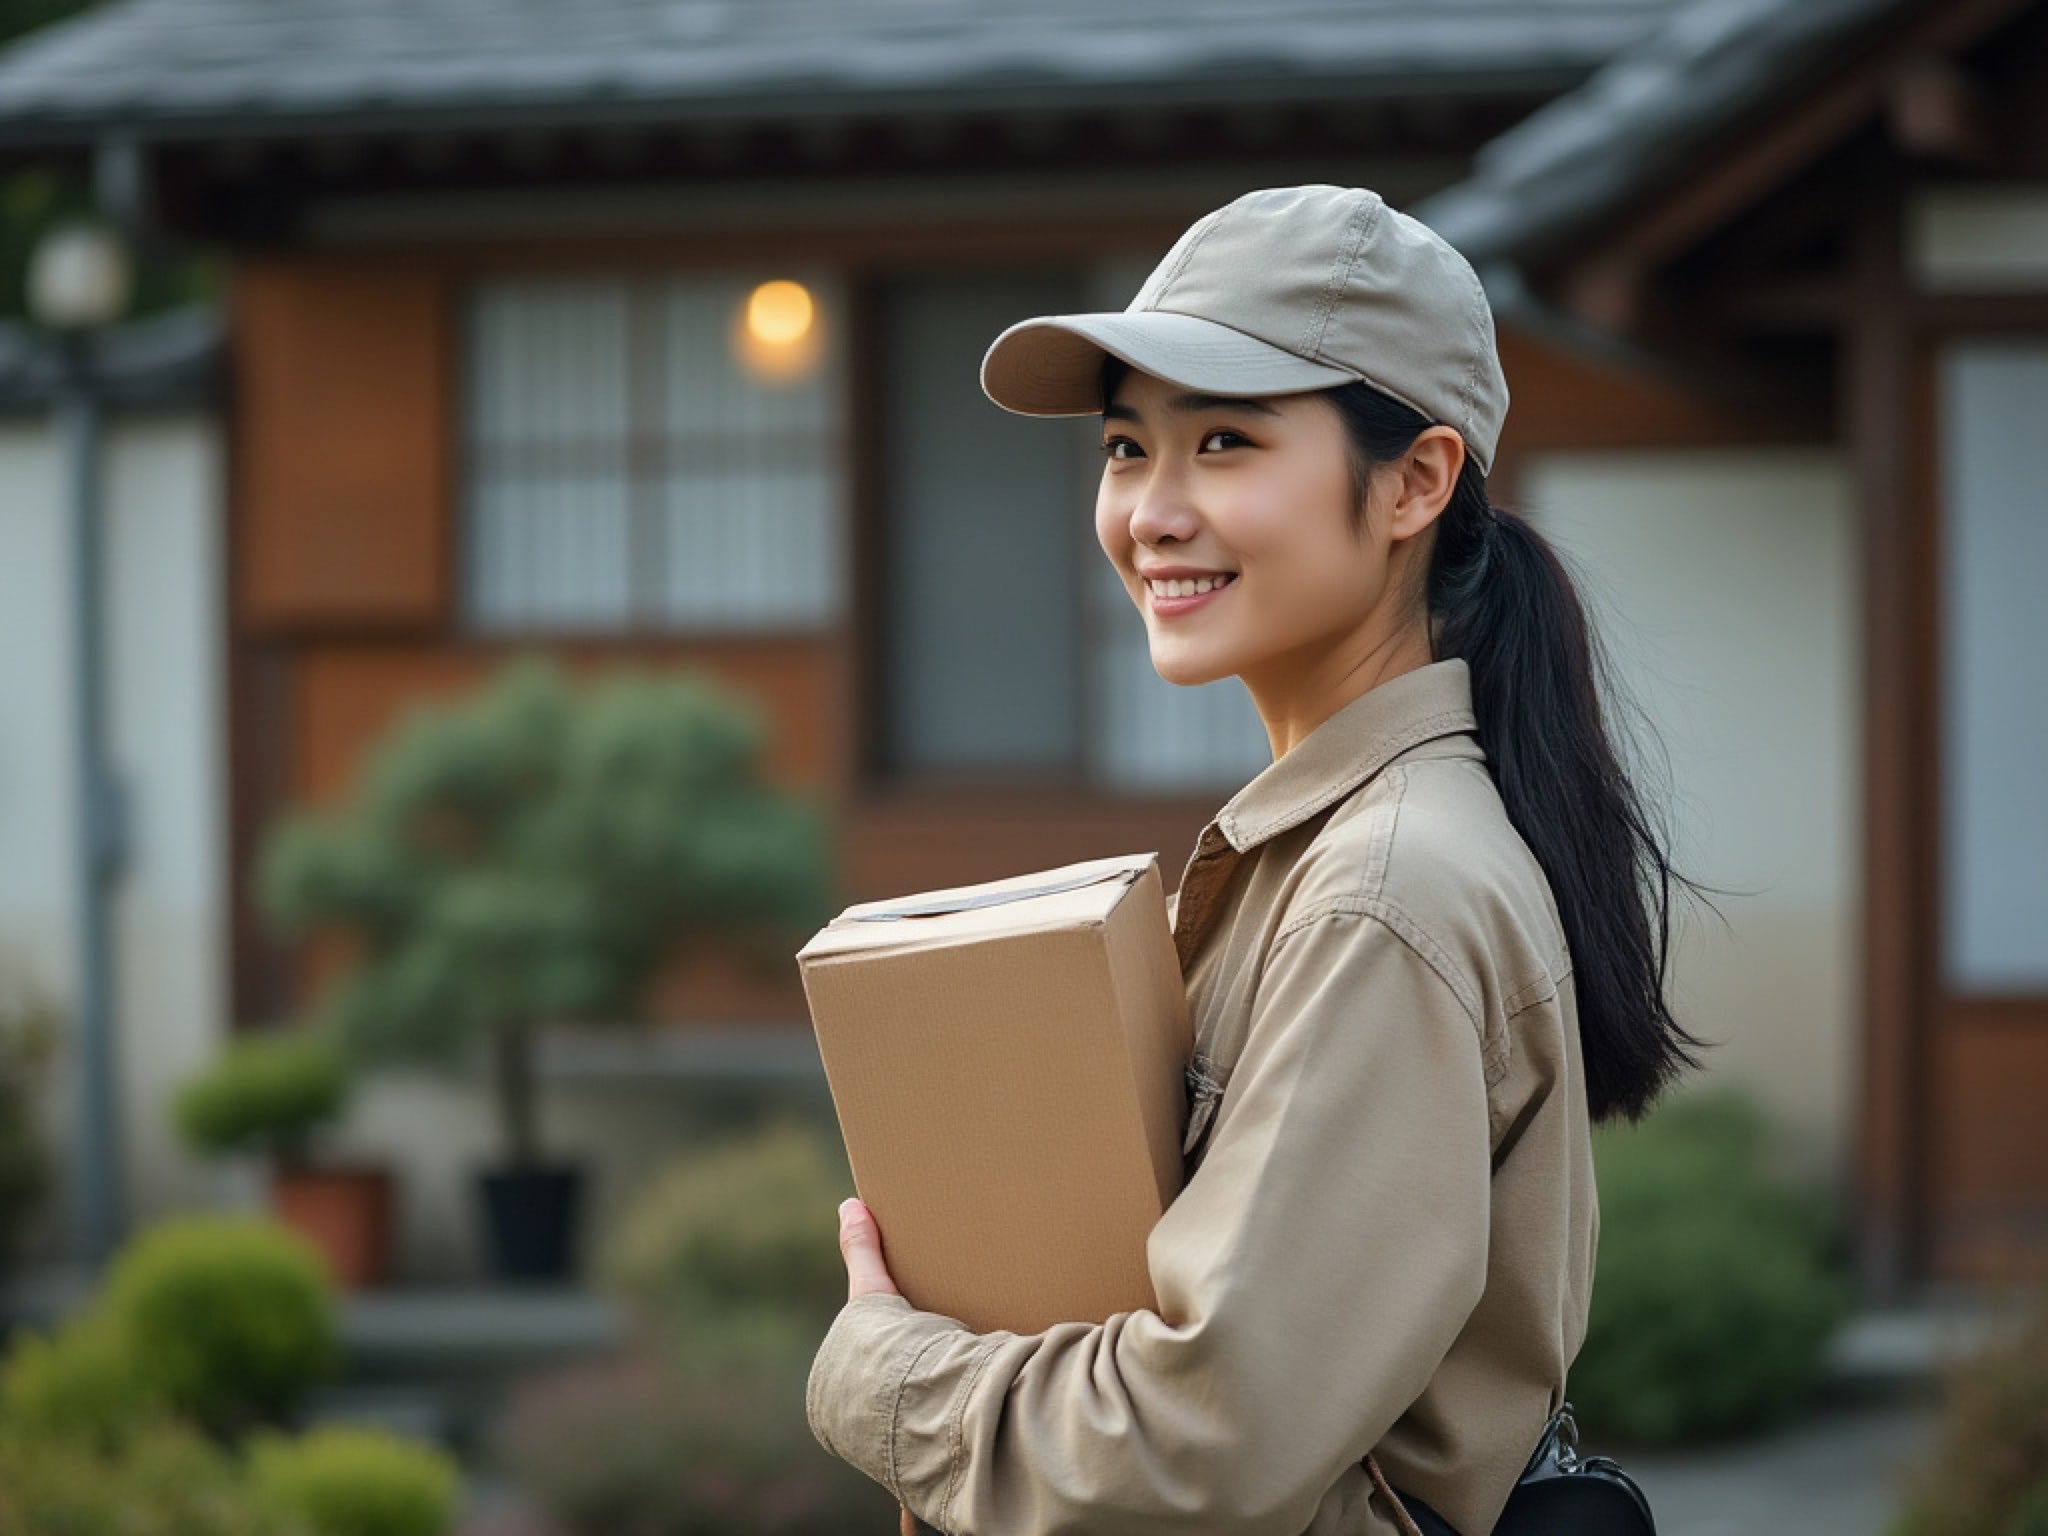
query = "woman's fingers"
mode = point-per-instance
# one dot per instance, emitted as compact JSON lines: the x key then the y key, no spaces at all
{"x":860,"y":1243}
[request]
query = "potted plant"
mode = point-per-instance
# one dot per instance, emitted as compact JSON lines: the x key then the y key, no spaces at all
{"x":531,"y":855}
{"x":268,"y":1094}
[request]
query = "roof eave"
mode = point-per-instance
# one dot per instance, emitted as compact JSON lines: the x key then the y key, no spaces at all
{"x":250,"y":121}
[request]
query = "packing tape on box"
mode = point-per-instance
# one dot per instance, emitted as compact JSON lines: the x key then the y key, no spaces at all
{"x":993,"y":898}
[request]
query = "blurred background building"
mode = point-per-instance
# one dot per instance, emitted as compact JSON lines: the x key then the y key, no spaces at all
{"x":648,"y":330}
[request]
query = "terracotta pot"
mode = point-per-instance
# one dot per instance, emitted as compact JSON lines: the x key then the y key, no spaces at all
{"x":345,"y":1213}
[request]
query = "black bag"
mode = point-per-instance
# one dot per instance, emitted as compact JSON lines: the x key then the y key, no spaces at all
{"x":1560,"y":1493}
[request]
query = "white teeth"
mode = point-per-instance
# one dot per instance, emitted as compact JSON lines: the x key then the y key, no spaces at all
{"x":1187,"y":586}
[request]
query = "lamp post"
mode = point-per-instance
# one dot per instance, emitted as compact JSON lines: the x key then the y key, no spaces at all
{"x":78,"y":282}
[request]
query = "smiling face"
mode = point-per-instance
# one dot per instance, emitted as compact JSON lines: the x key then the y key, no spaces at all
{"x":1258,"y":494}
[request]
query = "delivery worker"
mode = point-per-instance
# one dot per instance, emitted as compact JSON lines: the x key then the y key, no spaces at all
{"x":1423,"y":947}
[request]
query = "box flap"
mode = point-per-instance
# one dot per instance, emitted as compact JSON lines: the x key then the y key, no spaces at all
{"x":1082,"y":894}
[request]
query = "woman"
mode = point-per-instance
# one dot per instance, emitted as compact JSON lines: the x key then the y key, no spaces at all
{"x":1423,"y":948}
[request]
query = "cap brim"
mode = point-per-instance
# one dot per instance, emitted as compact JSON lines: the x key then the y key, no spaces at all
{"x":1050,"y":366}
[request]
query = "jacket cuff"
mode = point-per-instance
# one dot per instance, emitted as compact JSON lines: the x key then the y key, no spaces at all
{"x":853,"y":1396}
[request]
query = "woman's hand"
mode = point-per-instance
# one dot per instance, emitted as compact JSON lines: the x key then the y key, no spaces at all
{"x":860,"y":1244}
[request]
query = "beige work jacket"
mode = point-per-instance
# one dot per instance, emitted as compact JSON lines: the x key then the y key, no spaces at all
{"x":1385,"y":1240}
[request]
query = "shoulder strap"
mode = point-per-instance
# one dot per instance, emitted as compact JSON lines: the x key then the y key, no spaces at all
{"x":1402,"y":1518}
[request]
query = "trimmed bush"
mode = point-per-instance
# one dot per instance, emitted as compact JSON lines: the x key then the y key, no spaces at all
{"x":748,"y":1224}
{"x":265,"y":1093}
{"x":350,"y":1481}
{"x":1987,"y":1472}
{"x":229,"y":1318}
{"x":729,"y":1258}
{"x":169,"y":1482}
{"x":654,"y":1445}
{"x":1717,"y":1286}
{"x":78,"y":1385}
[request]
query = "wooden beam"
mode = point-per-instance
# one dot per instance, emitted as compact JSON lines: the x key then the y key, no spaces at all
{"x":1821,"y":302}
{"x":1877,"y":402}
{"x":1937,"y":113}
{"x":1797,"y":131}
{"x":1613,"y":294}
{"x":1686,"y":337}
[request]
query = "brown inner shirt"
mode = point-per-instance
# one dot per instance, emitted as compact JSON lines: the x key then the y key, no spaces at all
{"x":1385,"y":1241}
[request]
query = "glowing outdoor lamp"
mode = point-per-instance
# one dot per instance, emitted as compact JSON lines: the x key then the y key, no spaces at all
{"x":78,"y":277}
{"x":778,"y":335}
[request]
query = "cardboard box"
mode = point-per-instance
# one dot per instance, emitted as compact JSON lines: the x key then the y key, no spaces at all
{"x":1007,"y":1062}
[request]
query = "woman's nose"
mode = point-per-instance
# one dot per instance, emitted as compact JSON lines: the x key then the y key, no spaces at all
{"x":1163,"y":512}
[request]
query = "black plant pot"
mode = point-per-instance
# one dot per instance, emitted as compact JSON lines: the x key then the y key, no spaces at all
{"x":530,"y":1216}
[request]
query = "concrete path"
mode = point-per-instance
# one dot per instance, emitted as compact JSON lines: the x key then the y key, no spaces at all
{"x":1834,"y":1473}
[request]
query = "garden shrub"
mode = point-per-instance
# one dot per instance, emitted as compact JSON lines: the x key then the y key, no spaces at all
{"x":78,"y":1384}
{"x":1986,"y":1473}
{"x":358,"y":1481}
{"x":263,"y":1093}
{"x":731,"y":1259}
{"x":169,"y":1481}
{"x":653,"y":1444}
{"x":748,"y":1224}
{"x":1718,"y":1283}
{"x":229,"y":1318}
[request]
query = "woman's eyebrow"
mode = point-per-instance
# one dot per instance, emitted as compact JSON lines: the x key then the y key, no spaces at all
{"x":1189,"y":403}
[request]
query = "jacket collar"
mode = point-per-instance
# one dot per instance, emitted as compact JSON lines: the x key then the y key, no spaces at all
{"x":1350,"y":747}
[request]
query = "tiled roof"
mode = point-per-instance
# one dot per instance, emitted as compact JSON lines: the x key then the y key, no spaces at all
{"x":212,"y":65}
{"x":1635,"y":119}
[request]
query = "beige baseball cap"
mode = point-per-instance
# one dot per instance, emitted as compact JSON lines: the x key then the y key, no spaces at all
{"x":1283,"y":290}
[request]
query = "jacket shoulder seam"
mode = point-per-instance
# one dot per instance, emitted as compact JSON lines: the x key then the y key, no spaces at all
{"x":1417,"y":939}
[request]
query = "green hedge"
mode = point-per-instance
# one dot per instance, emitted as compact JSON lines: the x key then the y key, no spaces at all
{"x":731,"y":1261}
{"x":229,"y":1318}
{"x":351,"y":1481}
{"x":169,"y":1481}
{"x":77,"y":1385}
{"x":684,"y":1441}
{"x":746,"y":1224}
{"x":1717,"y":1285}
{"x":147,"y":1414}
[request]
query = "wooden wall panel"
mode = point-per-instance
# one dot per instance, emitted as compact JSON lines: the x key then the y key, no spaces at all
{"x":343,"y":444}
{"x":1561,"y":402}
{"x":348,"y":695}
{"x":1988,"y":1148}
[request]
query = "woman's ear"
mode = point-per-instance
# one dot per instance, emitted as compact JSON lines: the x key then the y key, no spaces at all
{"x":1429,"y":473}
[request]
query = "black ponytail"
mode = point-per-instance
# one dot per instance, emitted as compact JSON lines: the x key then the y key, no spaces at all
{"x":1498,"y":595}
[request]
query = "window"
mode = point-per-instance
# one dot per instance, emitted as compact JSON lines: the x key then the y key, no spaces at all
{"x":648,"y":454}
{"x":1994,"y":632}
{"x":1010,"y":648}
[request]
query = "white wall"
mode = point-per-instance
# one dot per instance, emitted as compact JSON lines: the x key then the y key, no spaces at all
{"x":162,"y":580}
{"x":1724,"y":584}
{"x":1976,"y":237}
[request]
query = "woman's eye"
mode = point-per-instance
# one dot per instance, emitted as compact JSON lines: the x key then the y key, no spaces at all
{"x":1110,"y":448}
{"x":1220,"y":432}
